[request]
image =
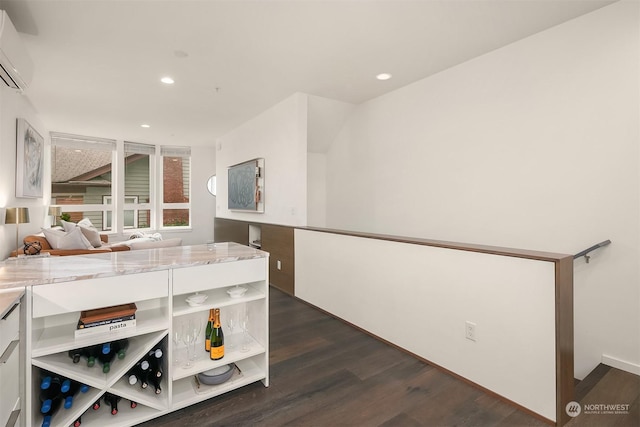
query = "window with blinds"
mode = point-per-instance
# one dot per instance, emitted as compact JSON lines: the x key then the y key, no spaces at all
{"x":154,"y":194}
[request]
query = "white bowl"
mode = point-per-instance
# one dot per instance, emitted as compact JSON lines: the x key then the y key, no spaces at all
{"x":236,"y":291}
{"x":196,"y":299}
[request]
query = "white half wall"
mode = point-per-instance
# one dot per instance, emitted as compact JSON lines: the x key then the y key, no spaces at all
{"x":279,"y":135}
{"x":419,"y":298}
{"x":534,"y":145}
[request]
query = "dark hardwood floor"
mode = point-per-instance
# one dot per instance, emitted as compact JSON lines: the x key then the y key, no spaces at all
{"x":324,"y":372}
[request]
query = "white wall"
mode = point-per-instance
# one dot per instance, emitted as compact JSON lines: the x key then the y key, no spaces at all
{"x":12,"y":106}
{"x":535,"y":146}
{"x":419,"y":298}
{"x":279,"y":136}
{"x":317,"y":189}
{"x":325,"y":119}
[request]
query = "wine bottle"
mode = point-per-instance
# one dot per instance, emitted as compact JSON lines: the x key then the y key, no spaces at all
{"x":105,"y":348}
{"x":75,"y":355}
{"x":50,"y":395}
{"x":45,"y":379}
{"x":96,"y":405}
{"x":217,"y":338}
{"x":69,"y":395}
{"x":155,"y":353}
{"x":133,"y":404}
{"x":77,"y":422}
{"x":207,"y":332}
{"x":155,"y":362}
{"x":55,"y":404}
{"x":112,"y":400}
{"x":138,"y":374}
{"x":106,"y":358}
{"x":120,"y":347}
{"x":91,"y":353}
{"x":155,"y":382}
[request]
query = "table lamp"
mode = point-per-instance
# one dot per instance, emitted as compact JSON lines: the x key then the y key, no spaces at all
{"x":55,"y":212}
{"x":17,"y":216}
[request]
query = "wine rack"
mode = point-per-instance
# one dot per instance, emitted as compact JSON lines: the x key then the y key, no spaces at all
{"x":160,"y":297}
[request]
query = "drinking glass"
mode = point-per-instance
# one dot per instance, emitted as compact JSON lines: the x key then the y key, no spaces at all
{"x":176,"y":337}
{"x":187,"y":338}
{"x":245,"y":332}
{"x":197,"y":330}
{"x":231,"y":323}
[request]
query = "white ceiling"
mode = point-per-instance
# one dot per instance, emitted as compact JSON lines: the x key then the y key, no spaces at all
{"x":98,"y":62}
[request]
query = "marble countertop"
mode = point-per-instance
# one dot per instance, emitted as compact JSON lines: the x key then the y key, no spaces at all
{"x":37,"y":271}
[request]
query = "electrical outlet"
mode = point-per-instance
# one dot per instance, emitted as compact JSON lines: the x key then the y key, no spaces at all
{"x":278,"y":265}
{"x":470,"y":330}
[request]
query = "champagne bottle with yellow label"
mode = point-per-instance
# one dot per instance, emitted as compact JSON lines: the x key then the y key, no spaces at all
{"x":207,"y":333}
{"x":217,"y":337}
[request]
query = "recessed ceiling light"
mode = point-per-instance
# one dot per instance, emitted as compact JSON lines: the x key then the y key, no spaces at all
{"x":145,"y":126}
{"x":383,"y":76}
{"x":167,"y":80}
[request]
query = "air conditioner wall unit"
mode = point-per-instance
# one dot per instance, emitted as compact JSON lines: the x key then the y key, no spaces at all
{"x":16,"y":68}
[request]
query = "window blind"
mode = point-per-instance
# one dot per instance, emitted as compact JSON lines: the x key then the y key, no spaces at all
{"x":82,"y":142}
{"x":137,"y":148}
{"x":168,"y":151}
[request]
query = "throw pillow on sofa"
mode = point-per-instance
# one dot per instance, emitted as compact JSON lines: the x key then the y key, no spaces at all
{"x":59,"y":239}
{"x":88,"y":230}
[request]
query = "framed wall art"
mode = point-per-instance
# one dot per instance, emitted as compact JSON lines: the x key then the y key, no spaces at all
{"x":29,"y":160}
{"x":246,"y":186}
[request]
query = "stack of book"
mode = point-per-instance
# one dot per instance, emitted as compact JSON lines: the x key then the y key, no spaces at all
{"x":107,"y":319}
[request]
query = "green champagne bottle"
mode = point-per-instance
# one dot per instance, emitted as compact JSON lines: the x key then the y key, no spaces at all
{"x":207,"y":333}
{"x":217,"y":338}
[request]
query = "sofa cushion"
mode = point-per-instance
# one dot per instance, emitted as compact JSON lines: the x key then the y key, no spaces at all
{"x":88,"y":230}
{"x":59,"y":239}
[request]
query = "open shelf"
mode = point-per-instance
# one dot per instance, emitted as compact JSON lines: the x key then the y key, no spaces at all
{"x":216,"y":298}
{"x":94,"y":377}
{"x":231,"y":356}
{"x":66,"y":417}
{"x":186,"y":392}
{"x":56,"y":339}
{"x":146,"y":396}
{"x":125,"y":417}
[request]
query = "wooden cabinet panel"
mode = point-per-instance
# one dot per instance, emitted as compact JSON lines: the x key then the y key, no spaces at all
{"x":275,"y":239}
{"x":228,"y":230}
{"x":278,"y":241}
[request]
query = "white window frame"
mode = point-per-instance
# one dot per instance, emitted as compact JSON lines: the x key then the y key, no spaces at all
{"x":133,"y":201}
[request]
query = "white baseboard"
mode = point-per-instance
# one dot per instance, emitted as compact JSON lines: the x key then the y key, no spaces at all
{"x":633,"y":368}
